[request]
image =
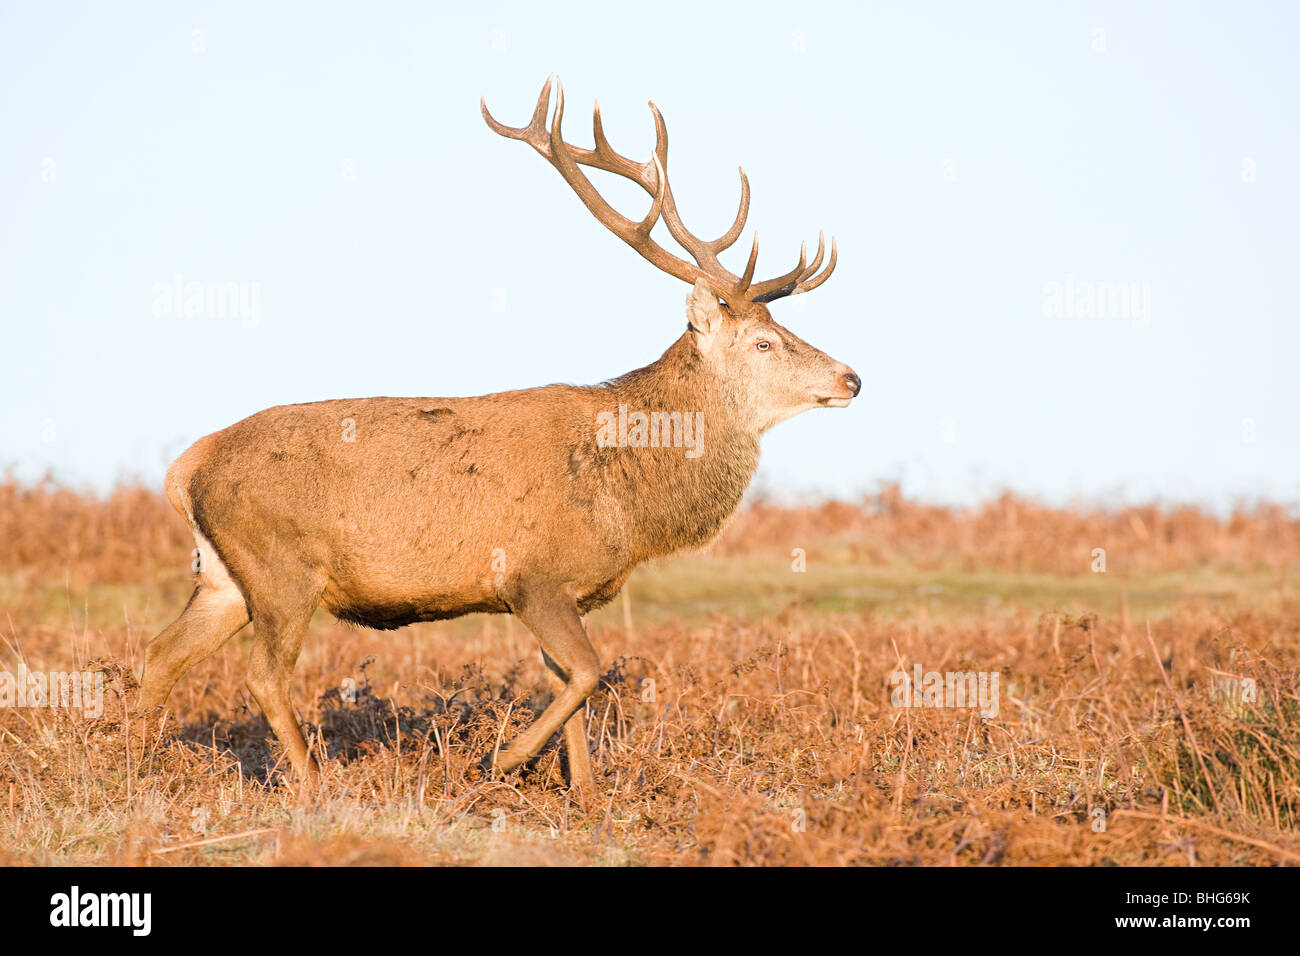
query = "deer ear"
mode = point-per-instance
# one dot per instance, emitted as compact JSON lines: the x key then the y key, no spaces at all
{"x":703,"y":313}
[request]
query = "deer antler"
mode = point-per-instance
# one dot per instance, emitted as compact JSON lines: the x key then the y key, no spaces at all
{"x":652,"y":176}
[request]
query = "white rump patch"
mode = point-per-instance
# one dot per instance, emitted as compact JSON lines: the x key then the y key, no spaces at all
{"x":212,"y":571}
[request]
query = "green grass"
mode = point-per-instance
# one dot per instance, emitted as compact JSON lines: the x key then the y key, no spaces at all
{"x":695,"y":587}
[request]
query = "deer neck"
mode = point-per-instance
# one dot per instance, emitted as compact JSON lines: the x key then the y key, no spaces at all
{"x":681,"y":497}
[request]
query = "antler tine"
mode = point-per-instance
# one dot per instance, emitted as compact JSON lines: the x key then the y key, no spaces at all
{"x":805,"y":281}
{"x":817,"y":259}
{"x":781,"y":286}
{"x":534,"y":134}
{"x":657,"y":205}
{"x":811,"y":284}
{"x":728,"y":238}
{"x":605,"y":157}
{"x":748,"y":276}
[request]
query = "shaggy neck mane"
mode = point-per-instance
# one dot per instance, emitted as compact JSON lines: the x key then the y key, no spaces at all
{"x":675,"y":500}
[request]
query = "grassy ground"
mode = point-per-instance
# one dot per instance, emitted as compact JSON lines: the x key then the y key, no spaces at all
{"x":693,"y":587}
{"x":1146,"y":714}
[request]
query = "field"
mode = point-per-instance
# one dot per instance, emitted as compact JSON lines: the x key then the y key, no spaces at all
{"x":1147,"y":705}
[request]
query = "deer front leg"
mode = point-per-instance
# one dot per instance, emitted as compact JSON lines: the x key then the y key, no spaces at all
{"x":556,"y":624}
{"x":575,"y":735}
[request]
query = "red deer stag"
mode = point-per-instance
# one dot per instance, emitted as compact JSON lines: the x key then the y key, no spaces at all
{"x":537,"y":503}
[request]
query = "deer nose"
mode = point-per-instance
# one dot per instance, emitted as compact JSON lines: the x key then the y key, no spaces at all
{"x":853,"y":382}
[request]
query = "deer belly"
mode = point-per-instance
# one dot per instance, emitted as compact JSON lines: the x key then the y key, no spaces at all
{"x":385,"y":608}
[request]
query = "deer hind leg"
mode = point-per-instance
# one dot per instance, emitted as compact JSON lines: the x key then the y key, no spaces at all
{"x":215,"y":613}
{"x":558,"y":628}
{"x":277,"y":640}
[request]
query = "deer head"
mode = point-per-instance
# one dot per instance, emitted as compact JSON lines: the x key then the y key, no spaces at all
{"x":765,"y":372}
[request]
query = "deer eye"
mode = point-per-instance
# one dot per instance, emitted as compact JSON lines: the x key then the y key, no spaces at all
{"x":763,"y":345}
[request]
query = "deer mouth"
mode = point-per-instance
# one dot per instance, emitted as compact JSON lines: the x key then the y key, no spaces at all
{"x":841,"y":402}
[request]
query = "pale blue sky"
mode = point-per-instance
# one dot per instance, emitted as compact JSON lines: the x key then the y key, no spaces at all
{"x":966,"y":155}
